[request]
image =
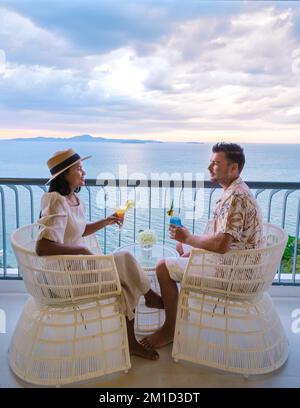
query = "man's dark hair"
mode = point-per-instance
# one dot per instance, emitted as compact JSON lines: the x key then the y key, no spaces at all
{"x":233,"y":152}
{"x":60,"y":185}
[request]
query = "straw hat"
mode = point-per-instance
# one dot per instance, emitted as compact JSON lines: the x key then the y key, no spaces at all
{"x":62,"y":160}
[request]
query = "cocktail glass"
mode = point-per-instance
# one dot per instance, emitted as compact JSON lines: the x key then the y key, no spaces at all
{"x":176,"y":220}
{"x":120,"y":212}
{"x":175,"y":217}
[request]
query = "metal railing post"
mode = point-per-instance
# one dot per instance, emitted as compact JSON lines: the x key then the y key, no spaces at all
{"x":3,"y":231}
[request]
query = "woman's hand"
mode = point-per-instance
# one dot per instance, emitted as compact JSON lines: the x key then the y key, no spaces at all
{"x":92,"y":227}
{"x":84,"y":251}
{"x":113,"y":219}
{"x":180,"y":234}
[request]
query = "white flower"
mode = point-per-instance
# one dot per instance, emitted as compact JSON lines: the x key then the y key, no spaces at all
{"x":147,"y":237}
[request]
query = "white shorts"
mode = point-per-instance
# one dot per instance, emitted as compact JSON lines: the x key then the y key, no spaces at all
{"x":176,"y":266}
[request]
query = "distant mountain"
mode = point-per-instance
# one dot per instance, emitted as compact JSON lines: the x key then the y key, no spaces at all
{"x":82,"y":138}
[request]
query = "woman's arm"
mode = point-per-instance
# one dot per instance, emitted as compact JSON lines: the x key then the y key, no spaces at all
{"x":45,"y":247}
{"x":92,"y":227}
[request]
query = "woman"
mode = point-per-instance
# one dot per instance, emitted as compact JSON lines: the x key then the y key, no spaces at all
{"x":62,"y":215}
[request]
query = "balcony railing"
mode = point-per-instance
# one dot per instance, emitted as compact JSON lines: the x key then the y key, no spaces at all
{"x":20,"y":202}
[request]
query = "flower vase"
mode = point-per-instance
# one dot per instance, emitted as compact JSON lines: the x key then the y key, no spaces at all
{"x":147,"y":252}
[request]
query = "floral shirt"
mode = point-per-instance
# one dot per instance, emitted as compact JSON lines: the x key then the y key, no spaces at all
{"x":237,"y":213}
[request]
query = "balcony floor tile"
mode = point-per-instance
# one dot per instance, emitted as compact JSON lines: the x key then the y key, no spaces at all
{"x":164,"y":372}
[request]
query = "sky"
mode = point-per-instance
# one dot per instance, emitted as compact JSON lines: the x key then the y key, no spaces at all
{"x":162,"y":70}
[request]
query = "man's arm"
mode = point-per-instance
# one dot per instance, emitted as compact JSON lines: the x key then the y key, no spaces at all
{"x":219,"y":243}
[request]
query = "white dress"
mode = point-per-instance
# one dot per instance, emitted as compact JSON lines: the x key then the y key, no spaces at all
{"x":66,"y":224}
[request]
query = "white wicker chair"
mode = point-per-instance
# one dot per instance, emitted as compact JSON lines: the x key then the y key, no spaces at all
{"x":72,"y":327}
{"x":225,"y":317}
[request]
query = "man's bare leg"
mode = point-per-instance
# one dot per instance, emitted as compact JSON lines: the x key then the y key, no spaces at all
{"x":169,"y":293}
{"x":137,"y":349}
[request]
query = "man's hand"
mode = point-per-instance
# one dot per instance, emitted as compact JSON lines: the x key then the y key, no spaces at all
{"x":180,"y":234}
{"x":179,"y":249}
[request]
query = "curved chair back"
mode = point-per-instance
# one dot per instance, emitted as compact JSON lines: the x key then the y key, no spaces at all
{"x":62,"y":279}
{"x":240,"y":274}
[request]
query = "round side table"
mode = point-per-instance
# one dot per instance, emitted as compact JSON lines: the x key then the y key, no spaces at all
{"x":148,"y":320}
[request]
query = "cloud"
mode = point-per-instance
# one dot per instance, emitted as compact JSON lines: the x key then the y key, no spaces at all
{"x":162,"y":70}
{"x":26,"y":43}
{"x":96,"y":26}
{"x":2,"y":61}
{"x":237,"y":69}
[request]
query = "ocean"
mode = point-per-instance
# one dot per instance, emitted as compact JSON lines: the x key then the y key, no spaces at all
{"x":264,"y":162}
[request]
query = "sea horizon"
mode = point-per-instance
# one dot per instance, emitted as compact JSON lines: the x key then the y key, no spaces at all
{"x":84,"y":138}
{"x":264,"y":162}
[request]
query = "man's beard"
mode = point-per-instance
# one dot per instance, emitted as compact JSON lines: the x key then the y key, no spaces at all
{"x":218,"y":180}
{"x":214,"y":180}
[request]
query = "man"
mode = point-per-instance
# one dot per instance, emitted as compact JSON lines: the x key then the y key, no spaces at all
{"x":236,"y":224}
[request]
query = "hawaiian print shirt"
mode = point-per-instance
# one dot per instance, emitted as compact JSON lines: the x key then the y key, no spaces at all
{"x":237,"y":213}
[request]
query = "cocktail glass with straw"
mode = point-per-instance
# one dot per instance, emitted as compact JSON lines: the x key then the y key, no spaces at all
{"x":175,"y":219}
{"x":120,"y":212}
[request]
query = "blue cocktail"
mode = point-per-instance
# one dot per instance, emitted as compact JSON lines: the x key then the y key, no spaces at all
{"x":176,"y":221}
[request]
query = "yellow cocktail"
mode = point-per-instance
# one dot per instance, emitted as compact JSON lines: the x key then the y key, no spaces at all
{"x":120,"y":212}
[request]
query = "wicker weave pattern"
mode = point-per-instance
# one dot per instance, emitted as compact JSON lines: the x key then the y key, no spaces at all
{"x":72,"y":327}
{"x":225,"y":318}
{"x":61,"y":279}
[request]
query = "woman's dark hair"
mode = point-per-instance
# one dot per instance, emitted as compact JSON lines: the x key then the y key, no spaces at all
{"x":60,"y":185}
{"x":233,"y":152}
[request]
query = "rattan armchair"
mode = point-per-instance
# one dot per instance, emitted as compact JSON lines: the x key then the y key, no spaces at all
{"x":72,"y":327}
{"x":225,"y":317}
